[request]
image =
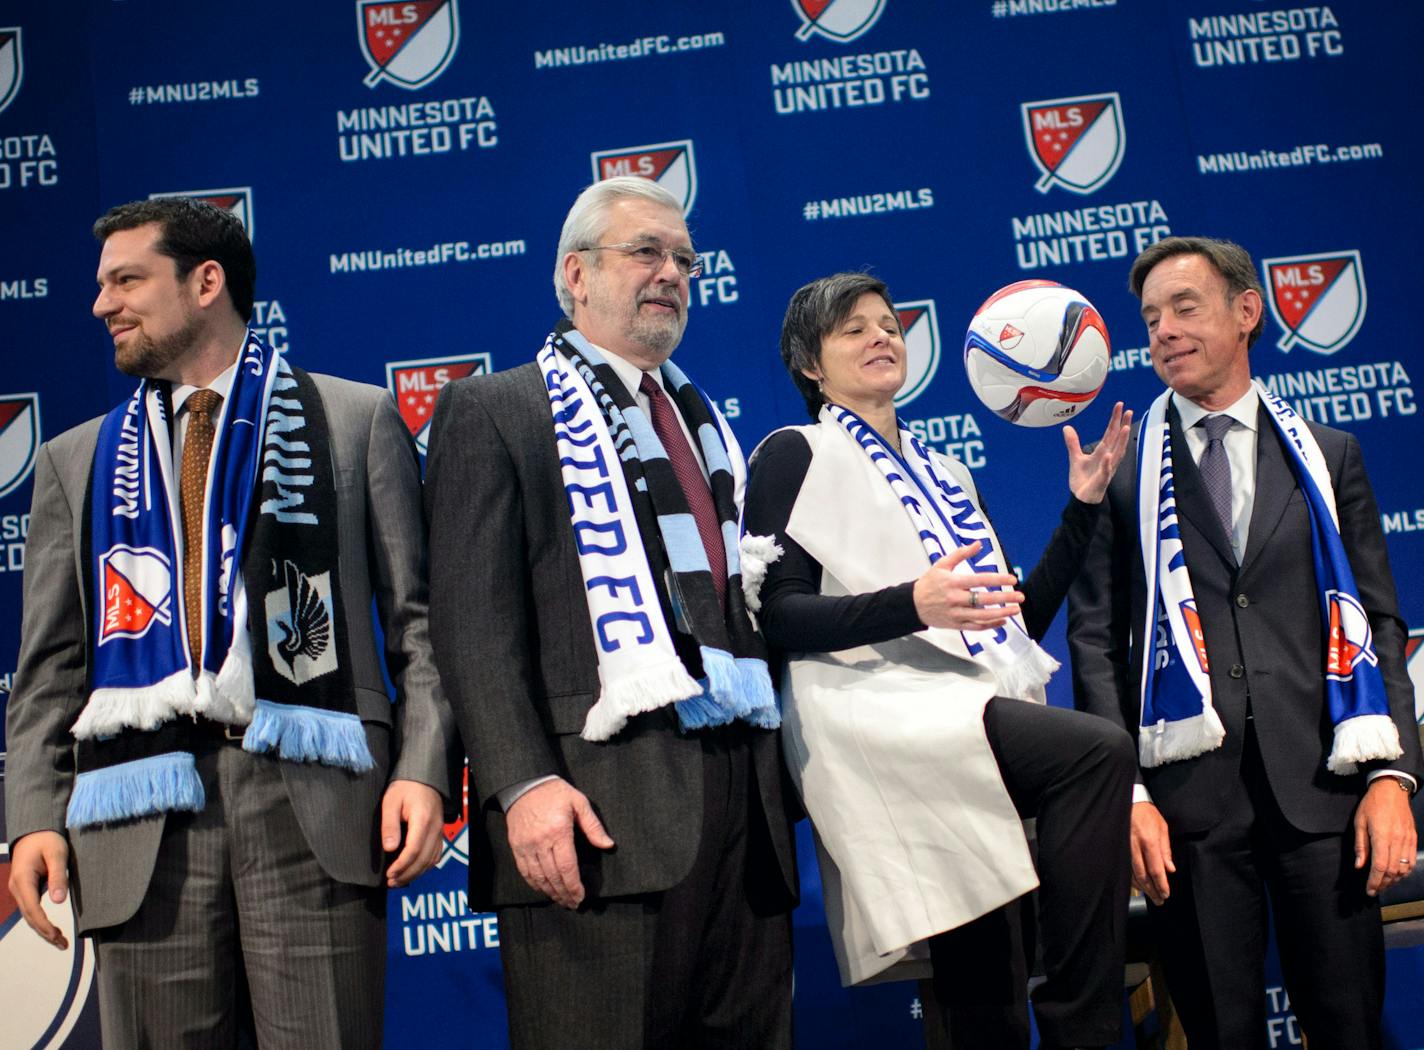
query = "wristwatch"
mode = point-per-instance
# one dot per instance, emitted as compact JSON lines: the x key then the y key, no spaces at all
{"x":1404,"y":782}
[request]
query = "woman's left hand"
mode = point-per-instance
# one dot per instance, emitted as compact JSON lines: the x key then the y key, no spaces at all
{"x":1090,"y":472}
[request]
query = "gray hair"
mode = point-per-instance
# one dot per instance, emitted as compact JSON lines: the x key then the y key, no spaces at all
{"x":588,"y":218}
{"x":1227,"y":258}
{"x":812,"y":314}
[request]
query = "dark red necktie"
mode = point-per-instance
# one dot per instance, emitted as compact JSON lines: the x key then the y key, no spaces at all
{"x":690,"y":477}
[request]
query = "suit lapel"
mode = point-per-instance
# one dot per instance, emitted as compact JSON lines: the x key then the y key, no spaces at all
{"x":1275,"y":484}
{"x":1193,"y":503}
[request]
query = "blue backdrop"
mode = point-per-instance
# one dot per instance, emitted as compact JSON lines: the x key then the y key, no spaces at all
{"x":403,"y":168}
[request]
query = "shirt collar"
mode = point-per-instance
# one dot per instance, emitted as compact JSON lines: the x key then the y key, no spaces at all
{"x":1242,"y":411}
{"x":630,"y":373}
{"x":221,"y":385}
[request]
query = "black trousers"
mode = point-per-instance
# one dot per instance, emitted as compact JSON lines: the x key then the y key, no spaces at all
{"x":705,"y":964}
{"x":1212,"y":930}
{"x":1073,"y":772}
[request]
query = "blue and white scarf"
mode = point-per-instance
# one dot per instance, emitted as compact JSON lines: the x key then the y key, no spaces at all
{"x":280,"y":669}
{"x":617,"y":513}
{"x":946,"y":517}
{"x":1178,"y":720}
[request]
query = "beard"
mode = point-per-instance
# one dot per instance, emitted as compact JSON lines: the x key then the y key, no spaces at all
{"x":146,"y":358}
{"x":658,"y":333}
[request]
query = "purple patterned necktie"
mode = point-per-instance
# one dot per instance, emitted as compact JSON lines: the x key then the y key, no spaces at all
{"x":690,"y":477}
{"x":1216,"y":469}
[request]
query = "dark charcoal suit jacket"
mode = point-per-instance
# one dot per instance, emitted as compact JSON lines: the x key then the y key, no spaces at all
{"x":1264,"y":638}
{"x":514,"y":645}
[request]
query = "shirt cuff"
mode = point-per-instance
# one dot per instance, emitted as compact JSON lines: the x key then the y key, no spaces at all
{"x":512,"y":794}
{"x":1376,"y":774}
{"x":1140,"y":793}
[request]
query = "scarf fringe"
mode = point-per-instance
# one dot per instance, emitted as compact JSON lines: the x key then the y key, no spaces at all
{"x":1363,"y":739}
{"x":229,"y":695}
{"x":757,"y":554}
{"x":1030,"y":672}
{"x":308,"y":734}
{"x":1165,"y":741}
{"x":647,"y":689}
{"x":113,"y":709}
{"x":162,"y":783}
{"x":765,"y":711}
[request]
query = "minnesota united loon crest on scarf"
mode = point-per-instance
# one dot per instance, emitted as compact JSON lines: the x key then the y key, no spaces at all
{"x":273,"y":657}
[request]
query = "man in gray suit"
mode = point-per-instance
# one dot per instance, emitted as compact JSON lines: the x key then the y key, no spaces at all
{"x":217,"y":788}
{"x":1274,"y":718}
{"x":643,"y":866}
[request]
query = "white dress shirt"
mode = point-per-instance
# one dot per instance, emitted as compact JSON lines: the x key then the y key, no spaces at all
{"x":222,"y":386}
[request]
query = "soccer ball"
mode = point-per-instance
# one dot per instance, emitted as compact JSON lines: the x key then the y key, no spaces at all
{"x":1036,"y":353}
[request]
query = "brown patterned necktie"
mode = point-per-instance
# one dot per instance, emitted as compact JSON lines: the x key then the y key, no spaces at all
{"x":689,"y":476}
{"x":201,"y":406}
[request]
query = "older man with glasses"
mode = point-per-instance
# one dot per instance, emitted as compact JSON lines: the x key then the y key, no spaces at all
{"x":612,"y":691}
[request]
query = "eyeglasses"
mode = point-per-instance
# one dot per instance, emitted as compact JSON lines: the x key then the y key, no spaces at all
{"x":688,"y":263}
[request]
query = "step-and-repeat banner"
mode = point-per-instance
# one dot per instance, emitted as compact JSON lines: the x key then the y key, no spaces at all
{"x":403,"y":167}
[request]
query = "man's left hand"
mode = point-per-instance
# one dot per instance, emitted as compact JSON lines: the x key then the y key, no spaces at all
{"x":1384,"y":835}
{"x":417,"y":807}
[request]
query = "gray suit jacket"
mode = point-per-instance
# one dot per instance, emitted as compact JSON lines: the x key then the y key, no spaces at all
{"x":514,"y":644}
{"x":1264,"y":638}
{"x":382,"y":556}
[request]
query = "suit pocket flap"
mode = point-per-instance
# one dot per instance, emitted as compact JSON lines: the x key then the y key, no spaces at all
{"x":373,"y":706}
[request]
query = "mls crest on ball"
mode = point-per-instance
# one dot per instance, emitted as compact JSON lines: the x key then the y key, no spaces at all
{"x":1036,"y":353}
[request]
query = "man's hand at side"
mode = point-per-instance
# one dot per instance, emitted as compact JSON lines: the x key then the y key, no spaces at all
{"x":541,"y":833}
{"x":37,"y":860}
{"x":1151,"y":852}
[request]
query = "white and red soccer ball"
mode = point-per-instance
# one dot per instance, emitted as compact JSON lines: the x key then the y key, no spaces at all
{"x":1036,"y":353}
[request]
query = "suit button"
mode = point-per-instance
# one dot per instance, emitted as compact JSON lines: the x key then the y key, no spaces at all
{"x":1242,"y":601}
{"x":1237,"y":671}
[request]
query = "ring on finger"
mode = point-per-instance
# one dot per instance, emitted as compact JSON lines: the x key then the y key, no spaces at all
{"x":973,"y":599}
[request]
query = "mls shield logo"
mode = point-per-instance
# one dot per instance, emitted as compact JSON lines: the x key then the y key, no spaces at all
{"x":1076,"y":143}
{"x":838,"y":20}
{"x":19,"y":439}
{"x":138,"y":591}
{"x":921,"y":333}
{"x":416,"y":384}
{"x":1194,"y":628}
{"x":42,"y":991}
{"x":456,"y":846}
{"x":1414,"y":662}
{"x":669,"y":164}
{"x":407,"y":43}
{"x":1351,"y":640}
{"x":299,"y":615}
{"x":1318,"y":299}
{"x":12,"y":68}
{"x":235,"y":199}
